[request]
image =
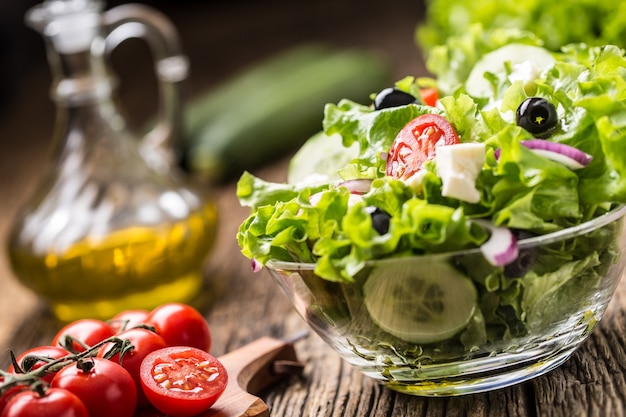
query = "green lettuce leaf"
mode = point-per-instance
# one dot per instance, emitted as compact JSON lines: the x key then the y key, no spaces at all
{"x":519,"y":188}
{"x":556,"y":23}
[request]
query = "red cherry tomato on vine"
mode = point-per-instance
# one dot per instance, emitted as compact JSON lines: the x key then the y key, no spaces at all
{"x":86,"y":331}
{"x":128,"y":319}
{"x":181,"y":325}
{"x":182,"y":381}
{"x":105,"y":387}
{"x":54,"y":403}
{"x":417,"y":142}
{"x":47,"y":353}
{"x":144,"y":342}
{"x":9,"y":394}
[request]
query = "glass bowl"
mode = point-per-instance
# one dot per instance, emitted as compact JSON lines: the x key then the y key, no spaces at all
{"x":452,"y":324}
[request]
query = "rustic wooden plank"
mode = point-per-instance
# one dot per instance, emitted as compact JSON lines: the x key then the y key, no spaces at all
{"x":333,"y":388}
{"x":591,"y":382}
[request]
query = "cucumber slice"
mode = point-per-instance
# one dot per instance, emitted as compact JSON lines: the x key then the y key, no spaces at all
{"x":538,"y":58}
{"x":420,"y":305}
{"x":320,"y":159}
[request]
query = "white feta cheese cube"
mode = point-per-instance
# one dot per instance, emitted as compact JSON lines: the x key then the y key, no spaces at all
{"x":458,"y":167}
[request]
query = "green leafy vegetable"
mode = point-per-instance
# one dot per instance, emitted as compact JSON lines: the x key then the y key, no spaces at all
{"x":519,"y":188}
{"x":557,"y":23}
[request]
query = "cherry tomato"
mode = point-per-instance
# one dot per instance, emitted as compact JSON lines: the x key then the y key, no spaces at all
{"x":29,"y":361}
{"x":86,"y":331}
{"x":416,"y":143}
{"x":128,"y":319}
{"x":8,"y":395}
{"x":429,"y":96}
{"x":144,"y":342}
{"x":181,"y":325}
{"x":105,"y":387}
{"x":54,"y":403}
{"x":182,"y":381}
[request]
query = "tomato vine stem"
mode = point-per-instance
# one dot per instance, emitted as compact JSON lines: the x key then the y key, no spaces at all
{"x":32,"y":378}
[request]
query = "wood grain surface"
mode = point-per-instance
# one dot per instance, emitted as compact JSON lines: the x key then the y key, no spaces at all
{"x":245,"y":306}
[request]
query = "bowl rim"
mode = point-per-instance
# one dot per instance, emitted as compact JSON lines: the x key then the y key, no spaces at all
{"x":610,"y":216}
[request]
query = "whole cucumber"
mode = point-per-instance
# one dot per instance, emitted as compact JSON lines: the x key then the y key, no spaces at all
{"x":272,"y":108}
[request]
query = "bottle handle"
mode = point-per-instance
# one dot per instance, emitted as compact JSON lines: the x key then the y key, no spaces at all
{"x":171,"y":67}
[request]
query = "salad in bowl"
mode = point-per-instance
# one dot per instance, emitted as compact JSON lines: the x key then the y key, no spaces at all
{"x":461,"y":232}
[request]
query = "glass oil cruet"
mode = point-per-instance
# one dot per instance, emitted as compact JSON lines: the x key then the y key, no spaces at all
{"x":113,"y":225}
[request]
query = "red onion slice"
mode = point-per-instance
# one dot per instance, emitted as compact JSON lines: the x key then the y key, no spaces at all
{"x":356,"y":188}
{"x":256,"y":265}
{"x":501,"y":247}
{"x":569,"y":156}
{"x":315,"y":198}
{"x":353,"y":199}
{"x":360,"y":186}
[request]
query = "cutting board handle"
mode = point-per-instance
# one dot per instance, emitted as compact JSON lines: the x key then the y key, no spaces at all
{"x":251,"y":369}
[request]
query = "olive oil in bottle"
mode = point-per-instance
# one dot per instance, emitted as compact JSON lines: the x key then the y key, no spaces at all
{"x":113,"y":225}
{"x":135,"y":267}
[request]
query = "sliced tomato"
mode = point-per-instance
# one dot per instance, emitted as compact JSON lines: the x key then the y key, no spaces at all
{"x":149,"y":411}
{"x":182,"y":381}
{"x":417,"y":142}
{"x":429,"y":96}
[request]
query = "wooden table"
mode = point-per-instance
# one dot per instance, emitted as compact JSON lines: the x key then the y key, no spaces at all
{"x":247,"y":306}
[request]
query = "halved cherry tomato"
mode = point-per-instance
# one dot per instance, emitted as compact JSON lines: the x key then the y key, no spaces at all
{"x":86,"y":331}
{"x":36,"y":357}
{"x":181,"y":325}
{"x":149,"y":411}
{"x":182,"y":381}
{"x":54,"y":403}
{"x":105,"y":387}
{"x":144,"y":342}
{"x":128,"y":319}
{"x":429,"y":96}
{"x":417,"y":142}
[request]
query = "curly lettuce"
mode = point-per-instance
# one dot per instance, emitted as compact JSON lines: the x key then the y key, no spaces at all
{"x":556,"y":23}
{"x":519,"y":189}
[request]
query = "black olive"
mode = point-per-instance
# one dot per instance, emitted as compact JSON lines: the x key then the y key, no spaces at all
{"x":538,"y":116}
{"x":525,"y":259}
{"x":380,"y":219}
{"x":392,"y":97}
